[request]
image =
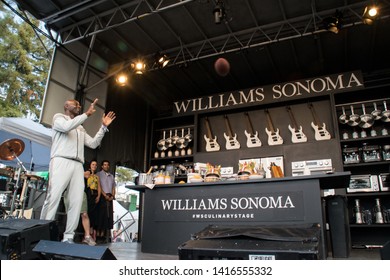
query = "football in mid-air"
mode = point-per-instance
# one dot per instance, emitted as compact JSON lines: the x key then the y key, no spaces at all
{"x":222,"y":67}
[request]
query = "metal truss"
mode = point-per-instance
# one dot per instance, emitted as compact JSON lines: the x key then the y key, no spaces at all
{"x":106,"y":20}
{"x":258,"y":36}
{"x":232,"y":41}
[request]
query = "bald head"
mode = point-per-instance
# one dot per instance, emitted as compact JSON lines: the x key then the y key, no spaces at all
{"x":70,"y":102}
{"x":72,"y":108}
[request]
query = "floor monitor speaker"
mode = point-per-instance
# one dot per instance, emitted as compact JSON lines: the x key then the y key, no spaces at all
{"x":64,"y":251}
{"x":18,"y":237}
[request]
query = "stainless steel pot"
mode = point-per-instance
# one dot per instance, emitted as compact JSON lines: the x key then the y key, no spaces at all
{"x":181,"y":143}
{"x":175,"y":137}
{"x":377,"y":114}
{"x":366,"y":120}
{"x":188,"y":136}
{"x":343,"y":119}
{"x":385,"y":113}
{"x":354,"y":119}
{"x":170,"y":140}
{"x":162,"y":144}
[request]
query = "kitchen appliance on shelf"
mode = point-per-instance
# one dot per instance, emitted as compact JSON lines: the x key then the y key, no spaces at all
{"x":351,"y":155}
{"x":363,"y":183}
{"x":311,"y":167}
{"x":371,"y":153}
{"x":384,"y":181}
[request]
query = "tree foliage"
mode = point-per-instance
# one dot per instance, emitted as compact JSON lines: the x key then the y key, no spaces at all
{"x":123,"y":174}
{"x":24,"y":65}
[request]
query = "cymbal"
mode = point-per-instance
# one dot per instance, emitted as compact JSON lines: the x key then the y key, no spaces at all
{"x":11,"y":148}
{"x":30,"y":177}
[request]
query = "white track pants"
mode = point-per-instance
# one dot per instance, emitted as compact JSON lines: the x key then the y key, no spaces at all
{"x":65,"y":174}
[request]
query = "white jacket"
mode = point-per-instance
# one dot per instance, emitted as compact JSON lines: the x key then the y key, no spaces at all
{"x":69,"y":137}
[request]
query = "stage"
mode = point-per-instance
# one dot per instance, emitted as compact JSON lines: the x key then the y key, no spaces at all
{"x":132,"y":251}
{"x":23,"y":239}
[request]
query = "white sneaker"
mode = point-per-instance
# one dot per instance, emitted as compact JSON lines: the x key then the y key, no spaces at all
{"x":89,"y":240}
{"x":68,"y":241}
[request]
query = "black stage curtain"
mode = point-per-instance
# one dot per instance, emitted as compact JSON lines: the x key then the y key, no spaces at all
{"x":126,"y":142}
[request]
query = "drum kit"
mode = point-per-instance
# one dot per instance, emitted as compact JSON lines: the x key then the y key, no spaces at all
{"x":11,"y":199}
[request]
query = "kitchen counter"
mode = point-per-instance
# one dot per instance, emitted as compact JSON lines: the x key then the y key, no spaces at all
{"x":171,"y":214}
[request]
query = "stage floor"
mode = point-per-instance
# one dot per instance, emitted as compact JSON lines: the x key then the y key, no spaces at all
{"x":132,"y":251}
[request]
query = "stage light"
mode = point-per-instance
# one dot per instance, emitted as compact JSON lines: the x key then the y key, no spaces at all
{"x":333,"y":23}
{"x":370,"y":14}
{"x":162,"y":60}
{"x":139,"y":67}
{"x":121,"y":79}
{"x":219,"y":12}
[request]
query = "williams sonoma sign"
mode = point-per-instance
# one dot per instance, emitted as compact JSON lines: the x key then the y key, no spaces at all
{"x":250,"y":207}
{"x":306,"y":88}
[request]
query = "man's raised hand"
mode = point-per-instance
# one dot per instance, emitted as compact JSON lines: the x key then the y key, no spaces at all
{"x":108,"y":119}
{"x":91,"y":108}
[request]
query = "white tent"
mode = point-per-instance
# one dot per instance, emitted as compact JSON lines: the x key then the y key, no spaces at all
{"x":36,"y":138}
{"x":126,"y":223}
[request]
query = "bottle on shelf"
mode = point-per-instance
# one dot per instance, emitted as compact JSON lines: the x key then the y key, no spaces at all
{"x":358,"y":212}
{"x":378,"y":212}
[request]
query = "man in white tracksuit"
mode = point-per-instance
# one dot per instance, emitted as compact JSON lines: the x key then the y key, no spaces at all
{"x":66,"y":165}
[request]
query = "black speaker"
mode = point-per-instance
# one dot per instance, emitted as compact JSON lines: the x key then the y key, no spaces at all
{"x":385,"y":251}
{"x":52,"y":250}
{"x":339,"y":226}
{"x":18,"y":237}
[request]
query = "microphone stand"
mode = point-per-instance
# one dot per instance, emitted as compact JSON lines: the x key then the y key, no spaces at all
{"x":21,"y":166}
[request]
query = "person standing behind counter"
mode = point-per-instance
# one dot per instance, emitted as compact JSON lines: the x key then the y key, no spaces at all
{"x":66,"y":162}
